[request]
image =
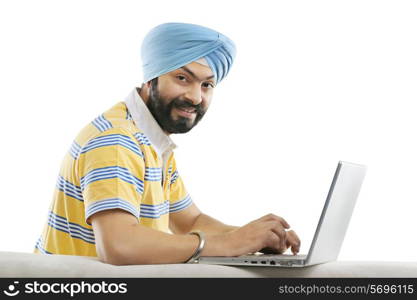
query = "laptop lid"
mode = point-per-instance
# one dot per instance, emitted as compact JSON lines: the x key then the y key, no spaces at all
{"x":336,"y":214}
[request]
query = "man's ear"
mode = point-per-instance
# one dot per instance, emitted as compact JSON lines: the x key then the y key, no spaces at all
{"x":145,"y":87}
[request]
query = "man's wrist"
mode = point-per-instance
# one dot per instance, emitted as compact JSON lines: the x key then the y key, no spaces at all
{"x":218,"y":245}
{"x":197,"y":253}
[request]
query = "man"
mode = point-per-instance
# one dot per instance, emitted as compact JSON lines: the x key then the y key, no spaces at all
{"x":119,"y":193}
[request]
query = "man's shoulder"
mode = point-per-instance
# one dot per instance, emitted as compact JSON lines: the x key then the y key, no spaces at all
{"x":115,"y":120}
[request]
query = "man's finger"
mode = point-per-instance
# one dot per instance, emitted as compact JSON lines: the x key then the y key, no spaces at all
{"x":277,"y":218}
{"x":278,"y":229}
{"x":293,"y":241}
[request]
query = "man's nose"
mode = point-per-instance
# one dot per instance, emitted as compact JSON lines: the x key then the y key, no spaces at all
{"x":194,"y":95}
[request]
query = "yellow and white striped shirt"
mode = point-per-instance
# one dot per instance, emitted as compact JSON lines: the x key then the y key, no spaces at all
{"x":113,"y":163}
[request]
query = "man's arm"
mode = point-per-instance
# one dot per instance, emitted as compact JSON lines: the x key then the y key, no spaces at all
{"x":121,"y":240}
{"x":192,"y":219}
{"x":211,"y":225}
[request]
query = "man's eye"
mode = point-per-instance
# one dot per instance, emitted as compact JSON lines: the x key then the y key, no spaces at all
{"x":182,"y":78}
{"x":208,"y":85}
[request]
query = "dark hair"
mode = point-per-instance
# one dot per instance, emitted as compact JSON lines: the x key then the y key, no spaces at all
{"x":154,"y":82}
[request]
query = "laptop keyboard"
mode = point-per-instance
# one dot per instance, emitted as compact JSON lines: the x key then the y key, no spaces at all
{"x":275,"y":256}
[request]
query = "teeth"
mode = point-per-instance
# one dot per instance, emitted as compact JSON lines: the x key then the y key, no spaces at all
{"x":189,"y":111}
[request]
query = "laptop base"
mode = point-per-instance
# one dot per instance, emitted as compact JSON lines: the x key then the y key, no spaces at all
{"x":263,"y":260}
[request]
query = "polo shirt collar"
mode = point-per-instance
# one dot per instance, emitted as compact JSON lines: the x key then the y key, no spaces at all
{"x":146,"y":123}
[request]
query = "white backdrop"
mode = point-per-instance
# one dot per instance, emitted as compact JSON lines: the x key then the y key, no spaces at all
{"x":313,"y":82}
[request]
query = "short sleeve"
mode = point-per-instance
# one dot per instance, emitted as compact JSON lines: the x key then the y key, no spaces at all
{"x":179,"y":198}
{"x":111,"y":170}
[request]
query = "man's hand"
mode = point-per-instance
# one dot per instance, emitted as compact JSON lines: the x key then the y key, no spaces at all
{"x":267,"y":234}
{"x":292,"y":241}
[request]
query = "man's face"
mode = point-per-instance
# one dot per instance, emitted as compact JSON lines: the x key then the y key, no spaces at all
{"x":179,"y":99}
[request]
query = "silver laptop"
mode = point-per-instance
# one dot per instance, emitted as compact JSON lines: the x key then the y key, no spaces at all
{"x":330,"y":231}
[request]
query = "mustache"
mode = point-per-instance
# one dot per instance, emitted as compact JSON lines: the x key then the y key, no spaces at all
{"x":185,"y":104}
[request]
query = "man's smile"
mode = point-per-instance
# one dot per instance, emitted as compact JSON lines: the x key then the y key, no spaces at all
{"x":185,"y":112}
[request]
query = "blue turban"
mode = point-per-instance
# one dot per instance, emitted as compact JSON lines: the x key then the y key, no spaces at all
{"x":170,"y":46}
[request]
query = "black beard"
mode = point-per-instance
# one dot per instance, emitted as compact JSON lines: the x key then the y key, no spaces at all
{"x":162,"y":112}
